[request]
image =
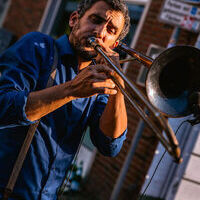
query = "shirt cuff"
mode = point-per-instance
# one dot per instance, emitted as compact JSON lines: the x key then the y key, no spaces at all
{"x":21,"y":100}
{"x":106,"y":145}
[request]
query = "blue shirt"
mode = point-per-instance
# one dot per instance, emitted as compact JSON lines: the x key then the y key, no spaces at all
{"x":25,"y":67}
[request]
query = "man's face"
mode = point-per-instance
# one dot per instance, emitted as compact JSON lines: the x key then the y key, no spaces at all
{"x":99,"y":21}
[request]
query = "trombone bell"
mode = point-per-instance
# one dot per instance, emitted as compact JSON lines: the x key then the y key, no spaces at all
{"x":173,"y":77}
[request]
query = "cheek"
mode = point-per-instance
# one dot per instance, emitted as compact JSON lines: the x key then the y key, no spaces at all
{"x":85,"y":26}
{"x":83,"y":31}
{"x":110,"y":40}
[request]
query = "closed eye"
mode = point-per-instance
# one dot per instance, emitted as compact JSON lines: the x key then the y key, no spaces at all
{"x":96,"y":19}
{"x":111,"y":29}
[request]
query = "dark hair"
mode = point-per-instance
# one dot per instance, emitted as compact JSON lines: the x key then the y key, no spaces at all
{"x":117,"y":5}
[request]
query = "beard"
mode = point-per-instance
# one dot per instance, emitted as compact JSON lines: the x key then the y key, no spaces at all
{"x":79,"y":48}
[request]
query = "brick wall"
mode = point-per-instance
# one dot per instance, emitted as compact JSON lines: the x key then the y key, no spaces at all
{"x":105,"y":171}
{"x":24,"y":16}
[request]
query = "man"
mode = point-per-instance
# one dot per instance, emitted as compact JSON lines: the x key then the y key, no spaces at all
{"x":78,"y":98}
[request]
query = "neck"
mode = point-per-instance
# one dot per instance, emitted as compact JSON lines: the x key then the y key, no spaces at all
{"x":82,"y":63}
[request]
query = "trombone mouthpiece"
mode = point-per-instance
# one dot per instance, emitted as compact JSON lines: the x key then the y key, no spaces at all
{"x":91,"y":39}
{"x":92,"y":42}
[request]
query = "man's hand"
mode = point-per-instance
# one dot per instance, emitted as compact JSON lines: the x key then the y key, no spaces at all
{"x":93,"y":80}
{"x":114,"y":56}
{"x":113,"y":121}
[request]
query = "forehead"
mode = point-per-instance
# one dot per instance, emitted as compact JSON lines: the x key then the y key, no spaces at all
{"x":104,"y":10}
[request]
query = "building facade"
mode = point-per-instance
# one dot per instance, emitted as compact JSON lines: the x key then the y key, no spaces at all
{"x":149,"y":35}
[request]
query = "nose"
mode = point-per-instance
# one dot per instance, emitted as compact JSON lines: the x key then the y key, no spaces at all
{"x":100,"y":31}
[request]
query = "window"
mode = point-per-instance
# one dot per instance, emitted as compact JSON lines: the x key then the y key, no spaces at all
{"x":67,"y":7}
{"x":61,"y":22}
{"x":135,"y":12}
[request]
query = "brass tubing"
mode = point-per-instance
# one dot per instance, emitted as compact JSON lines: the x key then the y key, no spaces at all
{"x":127,"y":60}
{"x":145,"y":60}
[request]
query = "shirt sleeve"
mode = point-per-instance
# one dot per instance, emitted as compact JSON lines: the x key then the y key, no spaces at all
{"x":19,"y":72}
{"x":106,"y":145}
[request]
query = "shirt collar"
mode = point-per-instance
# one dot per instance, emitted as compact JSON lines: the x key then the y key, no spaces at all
{"x":64,"y":45}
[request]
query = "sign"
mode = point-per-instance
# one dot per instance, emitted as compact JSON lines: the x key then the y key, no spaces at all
{"x":181,"y":14}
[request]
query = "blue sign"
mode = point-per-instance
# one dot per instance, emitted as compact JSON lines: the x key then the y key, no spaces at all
{"x":194,"y":11}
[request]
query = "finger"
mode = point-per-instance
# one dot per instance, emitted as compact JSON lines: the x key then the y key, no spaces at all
{"x":103,"y":68}
{"x":100,"y":60}
{"x":109,"y":52}
{"x":113,"y":54}
{"x":103,"y":84}
{"x":110,"y":81}
{"x":99,"y":76}
{"x":105,"y":48}
{"x":107,"y":91}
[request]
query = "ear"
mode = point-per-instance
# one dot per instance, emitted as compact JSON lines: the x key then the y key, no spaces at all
{"x":73,"y":19}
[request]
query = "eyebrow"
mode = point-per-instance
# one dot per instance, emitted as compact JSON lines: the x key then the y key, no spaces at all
{"x":105,"y":20}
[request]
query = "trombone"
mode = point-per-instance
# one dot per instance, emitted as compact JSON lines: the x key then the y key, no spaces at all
{"x":154,"y":90}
